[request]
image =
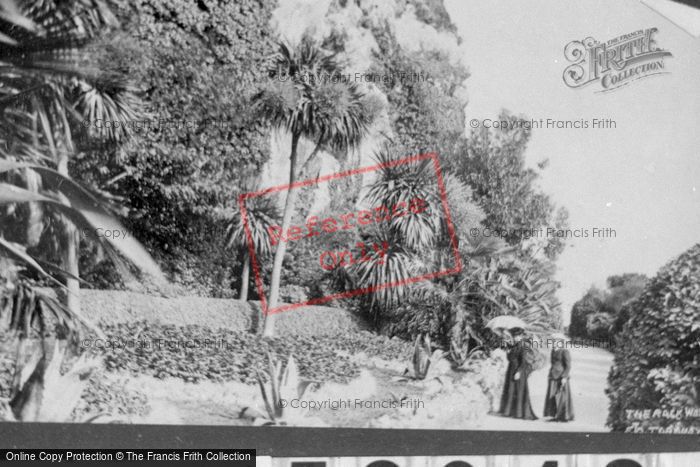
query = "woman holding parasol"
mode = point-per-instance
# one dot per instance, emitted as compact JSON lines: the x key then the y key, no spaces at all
{"x":515,"y":400}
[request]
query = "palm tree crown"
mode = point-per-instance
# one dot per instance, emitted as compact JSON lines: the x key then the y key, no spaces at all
{"x":307,"y":97}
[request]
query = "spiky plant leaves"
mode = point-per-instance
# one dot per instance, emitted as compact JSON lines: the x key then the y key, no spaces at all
{"x":18,"y":253}
{"x":261,"y":214}
{"x":421,"y":357}
{"x":276,"y":376}
{"x":386,"y":271}
{"x":47,"y":395}
{"x":289,"y":385}
{"x":284,"y":383}
{"x":84,"y":209}
{"x":6,"y":414}
{"x":339,"y":118}
{"x":400,"y":184}
{"x":302,"y":97}
{"x":266,"y":400}
{"x":277,"y":102}
{"x":25,"y":309}
{"x":52,"y":76}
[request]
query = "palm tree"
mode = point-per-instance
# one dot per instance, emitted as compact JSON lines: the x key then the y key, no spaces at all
{"x":48,"y":83}
{"x":28,"y":312}
{"x":334,"y":115}
{"x":49,"y":87}
{"x":260,"y":214}
{"x":408,"y":237}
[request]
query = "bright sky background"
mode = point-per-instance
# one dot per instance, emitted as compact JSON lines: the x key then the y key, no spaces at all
{"x":642,"y":178}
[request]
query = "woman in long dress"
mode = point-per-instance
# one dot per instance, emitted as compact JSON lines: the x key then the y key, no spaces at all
{"x":558,"y":403}
{"x":515,"y":401}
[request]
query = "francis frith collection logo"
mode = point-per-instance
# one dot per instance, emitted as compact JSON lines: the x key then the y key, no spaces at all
{"x":615,"y":63}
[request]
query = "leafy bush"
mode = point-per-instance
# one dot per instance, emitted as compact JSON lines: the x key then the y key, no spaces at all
{"x":194,"y":353}
{"x":110,"y":397}
{"x":493,"y":162}
{"x":592,"y":302}
{"x":657,"y":359}
{"x":426,"y":115}
{"x":198,"y":65}
{"x":600,"y":314}
{"x":416,"y":316}
{"x":599,"y":325}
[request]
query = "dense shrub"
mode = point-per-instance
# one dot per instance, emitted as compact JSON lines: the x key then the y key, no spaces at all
{"x":599,"y":325}
{"x":600,"y":314}
{"x":193,"y":353}
{"x":197,"y":65}
{"x":493,"y":162}
{"x":426,"y":115}
{"x":657,"y":359}
{"x":592,"y":302}
{"x":418,"y":316}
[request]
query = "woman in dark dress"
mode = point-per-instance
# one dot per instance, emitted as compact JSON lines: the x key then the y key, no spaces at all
{"x":515,"y":401}
{"x":558,"y":403}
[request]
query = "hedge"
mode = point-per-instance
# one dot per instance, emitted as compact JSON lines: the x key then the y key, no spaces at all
{"x":657,"y":359}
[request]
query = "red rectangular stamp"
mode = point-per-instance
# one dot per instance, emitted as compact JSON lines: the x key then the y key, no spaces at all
{"x":317,"y":230}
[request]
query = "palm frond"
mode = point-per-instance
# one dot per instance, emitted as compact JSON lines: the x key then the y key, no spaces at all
{"x":26,"y":309}
{"x":400,"y":184}
{"x":19,"y":253}
{"x":85,"y":210}
{"x":261,"y":213}
{"x":303,"y":97}
{"x":48,"y":71}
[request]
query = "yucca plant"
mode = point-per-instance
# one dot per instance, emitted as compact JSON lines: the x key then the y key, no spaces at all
{"x":51,"y":83}
{"x":401,"y":183}
{"x":84,"y":209}
{"x":45,"y":394}
{"x":283,"y":385}
{"x":39,"y":392}
{"x":461,"y":351}
{"x":424,"y":357}
{"x":419,"y":242}
{"x":396,"y":265}
{"x":29,"y":313}
{"x":408,"y":237}
{"x":261,"y":213}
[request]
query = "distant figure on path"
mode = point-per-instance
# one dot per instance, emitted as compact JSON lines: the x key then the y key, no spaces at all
{"x":558,"y":403}
{"x":515,"y":401}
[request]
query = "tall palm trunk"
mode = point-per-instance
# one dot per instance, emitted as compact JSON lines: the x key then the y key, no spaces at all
{"x":69,"y":252}
{"x":34,"y":224}
{"x":269,"y":326}
{"x":245,"y":278}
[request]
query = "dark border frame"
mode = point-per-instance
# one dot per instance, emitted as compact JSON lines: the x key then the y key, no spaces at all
{"x":332,"y":442}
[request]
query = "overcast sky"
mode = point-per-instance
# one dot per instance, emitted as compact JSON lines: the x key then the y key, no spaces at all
{"x":641,"y":178}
